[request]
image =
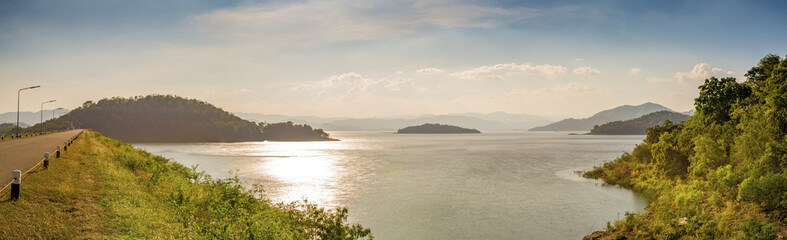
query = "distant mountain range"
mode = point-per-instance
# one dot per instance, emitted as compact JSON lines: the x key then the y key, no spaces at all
{"x":624,"y":112}
{"x":30,"y":118}
{"x":488,"y":122}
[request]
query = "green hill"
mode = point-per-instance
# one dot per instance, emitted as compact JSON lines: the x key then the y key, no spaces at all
{"x":720,"y":175}
{"x":624,"y":112}
{"x":638,"y":126}
{"x":436,"y":128}
{"x":167,"y":118}
{"x":162,"y":118}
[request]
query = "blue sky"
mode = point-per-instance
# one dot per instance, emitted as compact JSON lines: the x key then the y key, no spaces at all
{"x":383,"y":58}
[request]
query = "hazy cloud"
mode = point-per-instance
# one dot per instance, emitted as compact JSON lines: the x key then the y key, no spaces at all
{"x":571,"y":89}
{"x":353,"y":83}
{"x":312,"y":22}
{"x":500,"y":71}
{"x":241,"y":90}
{"x":586,"y":71}
{"x":429,"y":70}
{"x":635,"y":71}
{"x":658,"y":80}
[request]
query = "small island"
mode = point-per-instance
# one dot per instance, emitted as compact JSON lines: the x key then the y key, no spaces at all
{"x":434,"y":128}
{"x":287,"y":131}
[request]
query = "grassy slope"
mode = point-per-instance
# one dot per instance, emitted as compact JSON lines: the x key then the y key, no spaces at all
{"x":102,"y":188}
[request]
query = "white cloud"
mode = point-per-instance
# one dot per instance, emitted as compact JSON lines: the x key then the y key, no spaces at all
{"x":500,"y":71}
{"x":429,"y":70}
{"x":635,"y":71}
{"x":586,"y":71}
{"x":312,"y":22}
{"x":578,"y":59}
{"x":700,"y":72}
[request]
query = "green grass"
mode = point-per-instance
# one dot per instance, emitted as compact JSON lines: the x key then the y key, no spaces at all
{"x":61,"y":202}
{"x":102,"y":188}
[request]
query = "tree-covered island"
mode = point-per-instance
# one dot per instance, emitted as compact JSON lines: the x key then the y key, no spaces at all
{"x":288,"y":131}
{"x":435,"y":128}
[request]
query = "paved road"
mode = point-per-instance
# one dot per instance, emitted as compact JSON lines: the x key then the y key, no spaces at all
{"x":25,"y":153}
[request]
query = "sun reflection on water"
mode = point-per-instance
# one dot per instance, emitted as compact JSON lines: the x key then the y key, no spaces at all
{"x":301,"y":170}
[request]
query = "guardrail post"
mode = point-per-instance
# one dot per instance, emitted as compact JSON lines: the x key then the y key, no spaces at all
{"x":65,"y":146}
{"x":46,"y":159}
{"x":57,"y":155}
{"x":16,"y":184}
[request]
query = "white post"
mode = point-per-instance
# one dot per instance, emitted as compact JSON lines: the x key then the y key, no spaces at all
{"x":16,"y":184}
{"x":46,"y":159}
{"x":57,"y":155}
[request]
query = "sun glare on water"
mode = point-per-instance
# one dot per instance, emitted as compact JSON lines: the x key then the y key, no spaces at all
{"x":310,"y":170}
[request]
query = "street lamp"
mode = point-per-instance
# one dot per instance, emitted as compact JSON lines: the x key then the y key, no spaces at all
{"x":53,"y":111}
{"x":42,"y":109}
{"x":17,"y":105}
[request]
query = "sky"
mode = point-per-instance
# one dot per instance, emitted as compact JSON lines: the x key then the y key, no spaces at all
{"x":382,"y":58}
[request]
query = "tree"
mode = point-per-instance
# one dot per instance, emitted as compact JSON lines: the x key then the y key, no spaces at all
{"x":717,"y":96}
{"x":708,"y":155}
{"x":756,"y":75}
{"x":667,"y":157}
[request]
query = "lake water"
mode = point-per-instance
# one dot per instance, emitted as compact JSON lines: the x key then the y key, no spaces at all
{"x":496,"y":185}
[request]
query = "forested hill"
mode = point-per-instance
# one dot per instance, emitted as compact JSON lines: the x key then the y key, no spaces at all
{"x":288,"y":131}
{"x":436,"y":128}
{"x":162,"y":118}
{"x":638,"y":126}
{"x":620,"y":113}
{"x":720,"y":175}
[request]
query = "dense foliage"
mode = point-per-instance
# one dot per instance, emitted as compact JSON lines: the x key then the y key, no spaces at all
{"x":287,"y":131}
{"x":167,"y":118}
{"x":436,"y":128}
{"x":720,"y":175}
{"x":638,"y":126}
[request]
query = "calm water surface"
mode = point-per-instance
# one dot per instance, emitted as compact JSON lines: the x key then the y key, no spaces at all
{"x":498,"y":185}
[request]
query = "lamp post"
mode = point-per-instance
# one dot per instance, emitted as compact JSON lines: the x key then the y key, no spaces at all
{"x":42,"y":109}
{"x":53,"y":111}
{"x":18,"y":93}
